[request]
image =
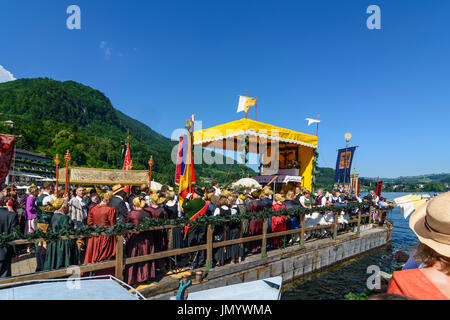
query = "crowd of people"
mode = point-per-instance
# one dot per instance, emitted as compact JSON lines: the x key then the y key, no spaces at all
{"x":41,"y":209}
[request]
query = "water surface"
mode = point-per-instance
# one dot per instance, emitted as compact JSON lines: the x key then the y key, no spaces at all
{"x":352,"y":275}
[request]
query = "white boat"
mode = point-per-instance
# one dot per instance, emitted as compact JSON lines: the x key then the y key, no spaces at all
{"x":88,"y":288}
{"x":265,"y":289}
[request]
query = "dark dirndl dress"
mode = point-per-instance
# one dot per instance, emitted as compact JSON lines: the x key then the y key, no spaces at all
{"x":222,"y":233}
{"x":177,"y":232}
{"x":237,"y":250}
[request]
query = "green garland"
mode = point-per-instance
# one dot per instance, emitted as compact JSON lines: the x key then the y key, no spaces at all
{"x":315,"y":170}
{"x":123,"y":228}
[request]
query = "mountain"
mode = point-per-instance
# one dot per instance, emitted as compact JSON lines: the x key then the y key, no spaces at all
{"x":427,"y":183}
{"x":54,"y":116}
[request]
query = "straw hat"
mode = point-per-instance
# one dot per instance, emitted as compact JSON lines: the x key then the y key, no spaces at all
{"x":431,"y":224}
{"x":117,"y":188}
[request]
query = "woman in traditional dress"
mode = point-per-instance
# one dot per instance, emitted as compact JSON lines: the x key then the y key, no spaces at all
{"x":237,"y":250}
{"x":431,"y":225}
{"x":173,"y":212}
{"x":139,"y":244}
{"x":30,"y":209}
{"x":101,"y":248}
{"x":222,"y":232}
{"x":159,"y":236}
{"x":255,"y":226}
{"x":62,"y":253}
{"x":278,"y":223}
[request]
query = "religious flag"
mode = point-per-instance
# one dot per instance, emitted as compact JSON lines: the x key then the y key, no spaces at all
{"x":378,"y":188}
{"x":344,"y":164}
{"x":311,"y":121}
{"x":184,"y":174}
{"x":407,"y":204}
{"x":7,"y":143}
{"x":245,"y":103}
{"x":127,"y":163}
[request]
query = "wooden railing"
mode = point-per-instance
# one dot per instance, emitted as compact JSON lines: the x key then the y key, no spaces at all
{"x":121,"y":261}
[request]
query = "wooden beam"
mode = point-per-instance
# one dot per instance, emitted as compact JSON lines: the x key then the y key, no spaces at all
{"x":264,"y":239}
{"x":209,"y":247}
{"x":59,"y":273}
{"x":119,"y":257}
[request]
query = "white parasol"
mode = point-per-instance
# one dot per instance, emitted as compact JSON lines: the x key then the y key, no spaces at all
{"x":156,"y":186}
{"x":247,"y":183}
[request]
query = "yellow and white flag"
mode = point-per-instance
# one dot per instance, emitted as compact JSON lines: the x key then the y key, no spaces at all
{"x":245,"y":103}
{"x":409,"y":203}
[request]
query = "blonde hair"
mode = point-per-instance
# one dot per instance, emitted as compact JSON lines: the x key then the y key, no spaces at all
{"x":32,"y":190}
{"x":139,"y":202}
{"x":279,"y":197}
{"x":154,"y":198}
{"x":170,"y":195}
{"x":105,"y":196}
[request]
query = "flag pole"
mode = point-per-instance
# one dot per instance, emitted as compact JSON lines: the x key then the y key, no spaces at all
{"x":246,"y":94}
{"x":256,"y":108}
{"x":317,"y":130}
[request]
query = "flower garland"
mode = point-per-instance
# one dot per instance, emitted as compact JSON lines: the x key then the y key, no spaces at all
{"x":147,"y":223}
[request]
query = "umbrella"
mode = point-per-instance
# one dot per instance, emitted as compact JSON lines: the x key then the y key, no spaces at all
{"x":247,"y":183}
{"x":156,"y":186}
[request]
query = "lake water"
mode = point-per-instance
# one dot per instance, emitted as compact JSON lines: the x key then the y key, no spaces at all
{"x":352,"y":275}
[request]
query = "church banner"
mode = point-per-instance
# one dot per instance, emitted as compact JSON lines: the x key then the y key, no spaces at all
{"x":91,"y":176}
{"x":344,"y":164}
{"x":7,"y":143}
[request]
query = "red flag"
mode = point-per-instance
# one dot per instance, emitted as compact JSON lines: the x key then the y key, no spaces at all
{"x":378,"y":188}
{"x":7,"y":143}
{"x":127,"y":163}
{"x":358,"y":188}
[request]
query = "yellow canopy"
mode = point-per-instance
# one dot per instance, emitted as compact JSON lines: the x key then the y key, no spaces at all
{"x":256,"y":129}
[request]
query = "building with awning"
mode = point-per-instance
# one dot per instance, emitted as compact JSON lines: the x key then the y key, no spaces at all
{"x":283,"y":152}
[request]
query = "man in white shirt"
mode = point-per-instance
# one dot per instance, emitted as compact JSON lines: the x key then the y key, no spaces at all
{"x":78,"y":209}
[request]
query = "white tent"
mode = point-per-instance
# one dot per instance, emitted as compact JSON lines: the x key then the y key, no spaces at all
{"x":247,"y":183}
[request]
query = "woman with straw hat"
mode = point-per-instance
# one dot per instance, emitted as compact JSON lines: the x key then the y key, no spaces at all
{"x":139,"y":244}
{"x":431,"y":224}
{"x":101,"y":248}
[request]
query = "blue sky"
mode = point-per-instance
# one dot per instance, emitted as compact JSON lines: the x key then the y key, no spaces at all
{"x":159,"y":60}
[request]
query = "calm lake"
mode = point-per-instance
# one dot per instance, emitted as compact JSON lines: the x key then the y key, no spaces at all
{"x":352,"y":275}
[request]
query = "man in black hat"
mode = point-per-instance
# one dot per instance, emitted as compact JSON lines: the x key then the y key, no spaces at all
{"x":195,"y":206}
